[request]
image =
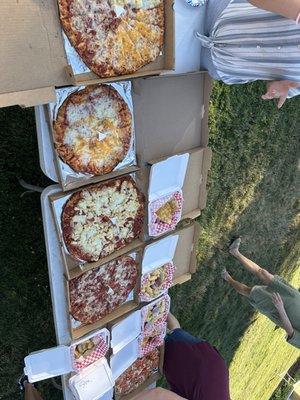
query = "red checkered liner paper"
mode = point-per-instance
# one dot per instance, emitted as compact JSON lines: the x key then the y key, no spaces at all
{"x":99,"y":352}
{"x":170,"y":268}
{"x":161,"y":309}
{"x":157,"y":337}
{"x":158,"y":227}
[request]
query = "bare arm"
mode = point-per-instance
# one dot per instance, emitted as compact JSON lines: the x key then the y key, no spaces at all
{"x":289,"y":9}
{"x":158,"y":394}
{"x":278,"y":303}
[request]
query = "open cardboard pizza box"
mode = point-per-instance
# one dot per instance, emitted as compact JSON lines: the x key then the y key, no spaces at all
{"x":74,"y":267}
{"x":63,"y":173}
{"x":78,"y":329}
{"x":180,"y":247}
{"x":91,"y":383}
{"x":170,"y":117}
{"x":33,"y":57}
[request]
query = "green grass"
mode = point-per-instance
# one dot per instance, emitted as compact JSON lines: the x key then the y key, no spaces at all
{"x":286,"y":386}
{"x":253,"y":191}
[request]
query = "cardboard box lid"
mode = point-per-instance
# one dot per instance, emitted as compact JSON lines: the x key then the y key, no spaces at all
{"x":32,"y":53}
{"x":48,"y":363}
{"x":162,"y":100}
{"x":124,"y":358}
{"x":159,"y":253}
{"x":93,"y":382}
{"x":167,"y":176}
{"x":185,"y":255}
{"x":33,"y":59}
{"x":125,"y":331}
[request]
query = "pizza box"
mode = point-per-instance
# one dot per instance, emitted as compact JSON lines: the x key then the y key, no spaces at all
{"x":177,"y":104}
{"x":75,"y":267}
{"x":57,"y":361}
{"x":79,"y":329}
{"x":34,"y":59}
{"x":184,"y":256}
{"x":165,"y":62}
{"x":64,"y":174}
{"x":150,"y":382}
{"x":186,"y":172}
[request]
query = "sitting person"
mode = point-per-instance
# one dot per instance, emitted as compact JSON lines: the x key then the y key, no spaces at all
{"x":193,"y":369}
{"x":276,"y":299}
{"x":246,"y":42}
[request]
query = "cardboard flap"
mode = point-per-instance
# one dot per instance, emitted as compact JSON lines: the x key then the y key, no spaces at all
{"x":185,"y":260}
{"x":28,"y":98}
{"x":32,"y":53}
{"x":167,"y":176}
{"x":48,"y":363}
{"x":159,"y":253}
{"x":125,"y":331}
{"x":93,"y":382}
{"x":123,"y":359}
{"x":194,"y":188}
{"x":162,"y":100}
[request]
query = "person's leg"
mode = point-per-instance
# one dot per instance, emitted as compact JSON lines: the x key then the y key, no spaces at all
{"x":238,"y":286}
{"x":251,"y":266}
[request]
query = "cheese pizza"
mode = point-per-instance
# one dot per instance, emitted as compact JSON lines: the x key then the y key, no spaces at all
{"x":102,"y":218}
{"x":137,"y":373}
{"x":96,"y":293}
{"x":114,"y":37}
{"x":93,"y":128}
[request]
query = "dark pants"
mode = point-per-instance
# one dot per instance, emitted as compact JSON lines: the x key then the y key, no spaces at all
{"x":180,"y":335}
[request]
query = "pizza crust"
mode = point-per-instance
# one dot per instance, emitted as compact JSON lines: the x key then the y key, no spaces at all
{"x":137,"y":373}
{"x":102,"y":218}
{"x":111,"y":44}
{"x":97,"y":293}
{"x":93,"y":130}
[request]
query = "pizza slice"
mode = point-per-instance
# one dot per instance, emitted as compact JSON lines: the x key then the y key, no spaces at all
{"x":166,"y":212}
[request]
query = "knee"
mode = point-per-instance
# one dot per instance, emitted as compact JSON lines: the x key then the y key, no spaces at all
{"x":264,"y":275}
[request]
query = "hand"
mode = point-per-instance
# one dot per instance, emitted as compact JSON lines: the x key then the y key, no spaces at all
{"x":277,"y":90}
{"x":277,"y":301}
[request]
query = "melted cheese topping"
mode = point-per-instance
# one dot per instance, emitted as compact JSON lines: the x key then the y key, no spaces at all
{"x":93,"y":131}
{"x":122,"y":40}
{"x":102,"y":216}
{"x":145,"y":4}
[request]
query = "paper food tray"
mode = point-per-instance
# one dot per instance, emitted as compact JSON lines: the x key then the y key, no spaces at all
{"x":125,"y":331}
{"x":45,"y":364}
{"x":124,"y":358}
{"x":165,"y":183}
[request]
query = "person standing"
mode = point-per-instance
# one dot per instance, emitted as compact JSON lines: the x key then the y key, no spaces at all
{"x":276,"y":298}
{"x":193,"y":368}
{"x":246,"y":41}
